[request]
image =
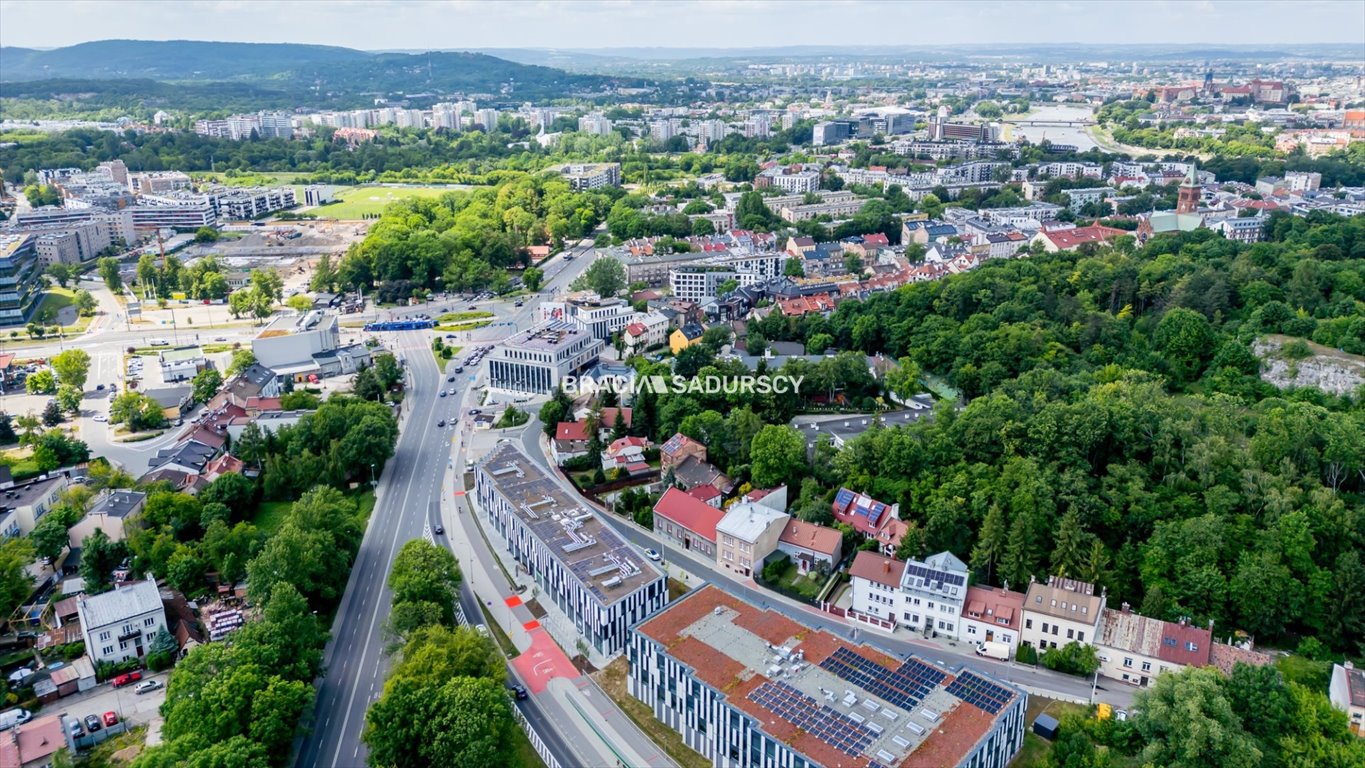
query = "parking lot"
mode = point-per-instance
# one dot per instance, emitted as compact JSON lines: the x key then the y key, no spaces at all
{"x":131,"y":708}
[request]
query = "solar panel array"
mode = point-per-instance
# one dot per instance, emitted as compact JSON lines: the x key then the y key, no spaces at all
{"x":874,"y":764}
{"x":824,"y":723}
{"x":903,"y":687}
{"x":932,"y":575}
{"x":980,"y":692}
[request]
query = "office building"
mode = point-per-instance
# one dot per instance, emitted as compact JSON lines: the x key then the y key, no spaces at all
{"x":119,"y":625}
{"x":751,"y":688}
{"x":20,"y":271}
{"x":831,"y":132}
{"x":291,"y":341}
{"x":182,"y":211}
{"x":603,"y":585}
{"x":600,"y":317}
{"x":538,"y":359}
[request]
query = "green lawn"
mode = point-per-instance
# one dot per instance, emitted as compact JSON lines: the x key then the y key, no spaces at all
{"x":357,"y":202}
{"x":461,"y":317}
{"x":270,"y":515}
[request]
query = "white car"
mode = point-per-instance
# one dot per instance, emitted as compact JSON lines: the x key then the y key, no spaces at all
{"x":147,"y":687}
{"x":101,"y":418}
{"x":159,"y":342}
{"x":652,"y":554}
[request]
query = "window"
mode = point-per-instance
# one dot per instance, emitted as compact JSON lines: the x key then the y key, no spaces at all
{"x":1054,"y":602}
{"x":149,"y":621}
{"x":1191,"y":646}
{"x":104,"y":635}
{"x":1127,"y":661}
{"x":729,"y":556}
{"x":1055,"y":629}
{"x":1070,"y":634}
{"x":1028,"y":623}
{"x":123,"y":645}
{"x":1085,"y":610}
{"x":931,"y":606}
{"x":107,"y":650}
{"x":1080,"y":636}
{"x":971,"y":630}
{"x":1045,"y":627}
{"x":1146,"y":666}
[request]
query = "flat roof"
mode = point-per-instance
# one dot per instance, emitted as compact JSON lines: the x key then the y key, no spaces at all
{"x":570,"y":531}
{"x":838,"y":703}
{"x":547,"y":336}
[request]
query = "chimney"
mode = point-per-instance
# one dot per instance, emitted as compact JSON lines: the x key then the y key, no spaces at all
{"x":1124,"y":608}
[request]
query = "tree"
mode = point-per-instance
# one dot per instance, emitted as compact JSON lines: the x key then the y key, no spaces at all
{"x":532,"y":278}
{"x":464,"y":723}
{"x":72,"y":367}
{"x":1186,"y":340}
{"x":902,"y":380}
{"x":423,"y":571}
{"x":147,"y":274}
{"x":206,"y":384}
{"x":16,"y":554}
{"x":137,"y":411}
{"x":109,"y":271}
{"x":242,"y":359}
{"x":606,"y":276}
{"x":7,"y":435}
{"x":39,"y":195}
{"x":269,"y":284}
{"x":240,"y":303}
{"x":69,"y":399}
{"x":776,"y":456}
{"x":1187,"y":721}
{"x":299,"y":303}
{"x":206,"y":235}
{"x":324,"y":276}
{"x":100,"y":555}
{"x":49,"y":536}
{"x":435,"y":654}
{"x":41,"y":382}
{"x":61,"y":272}
{"x":52,"y":415}
{"x":85,"y":303}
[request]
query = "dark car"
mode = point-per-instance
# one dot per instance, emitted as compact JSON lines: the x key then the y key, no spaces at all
{"x":92,"y":723}
{"x":443,"y":393}
{"x":440,"y":530}
{"x":518,"y":691}
{"x":76,"y":730}
{"x":450,"y":378}
{"x":471,"y":306}
{"x":441,"y":423}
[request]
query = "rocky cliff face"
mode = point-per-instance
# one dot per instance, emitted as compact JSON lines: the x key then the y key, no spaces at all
{"x":1333,"y":372}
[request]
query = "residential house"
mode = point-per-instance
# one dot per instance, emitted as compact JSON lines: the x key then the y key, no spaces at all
{"x":749,"y":532}
{"x":684,"y":337}
{"x":707,"y":494}
{"x":1060,"y":611}
{"x":693,"y":473}
{"x":34,"y":743}
{"x":875,"y":580}
{"x":628,"y":455}
{"x":189,"y":457}
{"x":607,"y":418}
{"x":108,"y":513}
{"x":873,"y":519}
{"x":812,"y":547}
{"x":174,"y":401}
{"x":182,"y":363}
{"x":120,"y":624}
{"x":23,"y":504}
{"x":798,"y":247}
{"x":932,"y":594}
{"x":679,"y":448}
{"x":1135,"y":649}
{"x":1347,"y":692}
{"x":992,"y":615}
{"x":255,"y":381}
{"x":570,"y":441}
{"x":687,"y":521}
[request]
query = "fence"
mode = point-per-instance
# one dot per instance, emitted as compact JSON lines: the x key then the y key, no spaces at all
{"x":536,"y":741}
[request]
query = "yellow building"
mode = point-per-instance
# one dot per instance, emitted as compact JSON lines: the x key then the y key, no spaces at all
{"x":684,"y":337}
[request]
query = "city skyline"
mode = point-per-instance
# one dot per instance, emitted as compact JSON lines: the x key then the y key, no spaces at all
{"x":602,"y":25}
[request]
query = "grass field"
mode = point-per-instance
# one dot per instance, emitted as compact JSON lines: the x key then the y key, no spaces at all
{"x":357,"y":202}
{"x":270,"y":516}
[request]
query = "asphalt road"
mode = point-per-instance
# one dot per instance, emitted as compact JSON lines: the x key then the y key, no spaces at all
{"x":356,"y":665}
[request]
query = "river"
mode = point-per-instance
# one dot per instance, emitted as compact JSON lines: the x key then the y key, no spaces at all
{"x":1058,"y":134}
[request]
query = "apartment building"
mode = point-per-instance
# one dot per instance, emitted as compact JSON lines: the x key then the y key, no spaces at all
{"x":20,"y":271}
{"x":687,"y":521}
{"x":875,"y":582}
{"x":1061,"y":611}
{"x":583,"y":176}
{"x":603,"y":585}
{"x":119,"y":625}
{"x":537,"y":359}
{"x":1135,"y":649}
{"x":992,"y":615}
{"x":751,"y":688}
{"x":250,"y":203}
{"x":24,"y":503}
{"x":749,"y":532}
{"x":790,"y":179}
{"x":834,"y":210}
{"x":932,"y":594}
{"x":181,"y":211}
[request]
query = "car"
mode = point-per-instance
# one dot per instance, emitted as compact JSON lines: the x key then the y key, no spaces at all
{"x":101,"y":418}
{"x":1121,"y":715}
{"x":519,"y":303}
{"x":568,"y":257}
{"x":518,"y":691}
{"x":180,"y":422}
{"x":450,"y":379}
{"x":471,"y":306}
{"x":110,"y":718}
{"x":76,"y":730}
{"x":220,"y":338}
{"x":474,"y":411}
{"x":481,"y":629}
{"x":652,"y":554}
{"x":458,"y":369}
{"x":92,"y":723}
{"x":126,"y":678}
{"x":440,"y":530}
{"x":159,"y":342}
{"x":147,"y":687}
{"x":452,"y":390}
{"x":99,"y":387}
{"x":113,"y":396}
{"x":441,"y":423}
{"x":442,"y":393}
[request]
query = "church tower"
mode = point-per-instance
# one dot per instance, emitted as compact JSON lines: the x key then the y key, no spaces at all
{"x":1187,"y":200}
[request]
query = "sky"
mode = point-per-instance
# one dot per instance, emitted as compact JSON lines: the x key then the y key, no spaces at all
{"x":598,"y":24}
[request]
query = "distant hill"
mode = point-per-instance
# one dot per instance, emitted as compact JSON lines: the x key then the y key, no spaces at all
{"x":165,"y":60}
{"x":185,"y":74}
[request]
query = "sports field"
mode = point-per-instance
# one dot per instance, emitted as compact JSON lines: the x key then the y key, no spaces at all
{"x":357,"y":202}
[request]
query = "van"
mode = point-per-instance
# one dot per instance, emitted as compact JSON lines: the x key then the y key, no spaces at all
{"x":992,"y":650}
{"x":14,"y":717}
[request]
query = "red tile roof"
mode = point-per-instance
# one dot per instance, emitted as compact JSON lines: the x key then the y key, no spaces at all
{"x":1066,"y":239}
{"x":572,"y":430}
{"x":690,"y":512}
{"x":991,"y":604}
{"x":636,"y":329}
{"x":877,"y":568}
{"x":704,"y":493}
{"x":816,"y":538}
{"x":609,"y":417}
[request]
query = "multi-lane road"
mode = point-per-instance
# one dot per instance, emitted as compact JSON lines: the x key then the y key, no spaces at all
{"x":356,"y":664}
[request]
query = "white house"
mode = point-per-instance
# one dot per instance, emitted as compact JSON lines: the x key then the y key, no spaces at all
{"x":1347,"y":692}
{"x":933,"y":592}
{"x":876,"y":585}
{"x":992,"y":615}
{"x":121,"y":623}
{"x":749,"y":532}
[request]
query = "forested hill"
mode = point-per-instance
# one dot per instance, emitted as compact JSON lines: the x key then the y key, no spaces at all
{"x":176,"y":74}
{"x":166,"y":60}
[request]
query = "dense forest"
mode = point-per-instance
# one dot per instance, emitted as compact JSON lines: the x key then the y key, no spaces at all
{"x":1118,"y":430}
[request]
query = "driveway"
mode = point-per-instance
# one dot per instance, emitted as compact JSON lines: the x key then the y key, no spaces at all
{"x":138,"y":710}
